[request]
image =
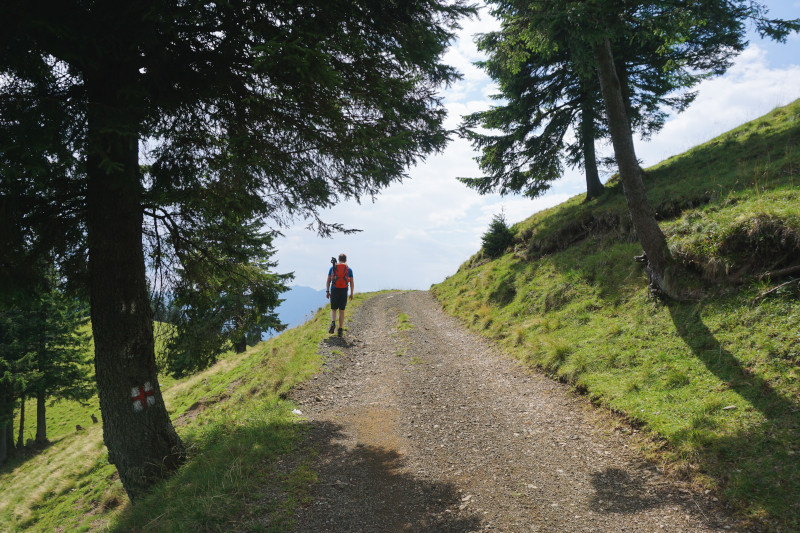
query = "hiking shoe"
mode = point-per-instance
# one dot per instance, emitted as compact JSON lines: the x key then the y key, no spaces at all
{"x":333,"y":326}
{"x":341,"y":332}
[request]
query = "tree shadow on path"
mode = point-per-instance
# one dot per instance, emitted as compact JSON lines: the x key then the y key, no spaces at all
{"x":616,"y":491}
{"x":367,"y":489}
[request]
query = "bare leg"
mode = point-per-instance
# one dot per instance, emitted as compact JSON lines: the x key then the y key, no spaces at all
{"x":333,"y":321}
{"x":341,"y":318}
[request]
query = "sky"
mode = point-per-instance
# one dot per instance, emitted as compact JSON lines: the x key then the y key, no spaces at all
{"x":418,"y":232}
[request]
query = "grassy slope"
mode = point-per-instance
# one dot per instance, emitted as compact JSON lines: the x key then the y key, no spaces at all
{"x":717,"y":381}
{"x":236,"y":426}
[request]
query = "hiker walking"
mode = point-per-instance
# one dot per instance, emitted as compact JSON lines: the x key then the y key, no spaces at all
{"x":339,"y":277}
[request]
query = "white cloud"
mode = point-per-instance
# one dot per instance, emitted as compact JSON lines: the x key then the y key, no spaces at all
{"x":748,"y":90}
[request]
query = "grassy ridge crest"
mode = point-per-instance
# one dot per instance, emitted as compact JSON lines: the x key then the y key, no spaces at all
{"x":716,"y":381}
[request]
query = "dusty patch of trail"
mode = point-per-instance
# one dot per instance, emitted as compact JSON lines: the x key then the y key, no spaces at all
{"x":431,"y":429}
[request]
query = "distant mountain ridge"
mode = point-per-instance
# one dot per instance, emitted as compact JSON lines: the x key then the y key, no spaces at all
{"x":300,"y":303}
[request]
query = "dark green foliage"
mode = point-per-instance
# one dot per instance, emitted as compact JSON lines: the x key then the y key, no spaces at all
{"x":687,"y":39}
{"x":549,"y":83}
{"x":497,"y":238}
{"x":223,"y":304}
{"x":43,"y":353}
{"x":62,"y":359}
{"x":248,"y":115}
{"x":291,"y":108}
{"x":542,"y":59}
{"x":299,"y":106}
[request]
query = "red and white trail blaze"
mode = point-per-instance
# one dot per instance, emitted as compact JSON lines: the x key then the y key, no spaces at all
{"x":142,"y":397}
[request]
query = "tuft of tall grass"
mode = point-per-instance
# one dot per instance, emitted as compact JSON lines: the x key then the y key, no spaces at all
{"x":403,"y":322}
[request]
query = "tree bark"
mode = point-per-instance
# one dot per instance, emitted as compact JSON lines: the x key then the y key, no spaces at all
{"x":3,"y":442}
{"x":240,"y":346}
{"x":9,"y":438}
{"x":41,"y":395}
{"x":41,"y":422}
{"x":6,"y":428}
{"x":141,"y":441}
{"x":594,"y":187}
{"x":625,"y":87}
{"x":649,"y":233}
{"x":21,"y":434}
{"x":625,"y":90}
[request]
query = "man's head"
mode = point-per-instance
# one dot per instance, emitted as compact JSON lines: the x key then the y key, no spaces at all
{"x":342,"y":258}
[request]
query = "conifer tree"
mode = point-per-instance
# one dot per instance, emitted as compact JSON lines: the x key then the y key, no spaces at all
{"x":16,"y":372}
{"x":497,"y":238}
{"x":43,"y":351}
{"x":222,"y":303}
{"x":61,"y":348}
{"x":247,"y":114}
{"x":682,"y":41}
{"x":545,"y":96}
{"x":552,"y":109}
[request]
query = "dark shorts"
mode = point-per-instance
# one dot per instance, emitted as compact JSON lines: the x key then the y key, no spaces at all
{"x":338,"y":298}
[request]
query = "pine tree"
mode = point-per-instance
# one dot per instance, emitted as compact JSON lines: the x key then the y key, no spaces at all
{"x":498,"y":237}
{"x":6,"y":388}
{"x":248,"y":114}
{"x":222,"y":302}
{"x":61,"y":350}
{"x":544,"y":97}
{"x":44,"y":353}
{"x":681,"y":41}
{"x":17,"y":368}
{"x":549,"y":90}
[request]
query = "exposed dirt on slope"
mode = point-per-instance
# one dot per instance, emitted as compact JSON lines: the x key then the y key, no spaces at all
{"x":433,"y":429}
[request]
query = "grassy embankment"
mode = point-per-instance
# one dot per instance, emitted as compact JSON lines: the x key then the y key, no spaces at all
{"x":716,"y":381}
{"x":236,"y":425}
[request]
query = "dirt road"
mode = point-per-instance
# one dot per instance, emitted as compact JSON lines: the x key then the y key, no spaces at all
{"x":432,"y":429}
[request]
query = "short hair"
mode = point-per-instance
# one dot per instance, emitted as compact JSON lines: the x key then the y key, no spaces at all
{"x":342,"y":258}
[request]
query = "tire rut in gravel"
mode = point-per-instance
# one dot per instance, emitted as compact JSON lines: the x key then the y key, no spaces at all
{"x":433,"y":429}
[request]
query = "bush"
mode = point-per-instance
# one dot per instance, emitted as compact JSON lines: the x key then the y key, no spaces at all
{"x":497,"y":238}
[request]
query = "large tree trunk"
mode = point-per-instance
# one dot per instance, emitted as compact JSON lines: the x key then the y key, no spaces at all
{"x":625,"y":87}
{"x":625,"y":90}
{"x":644,"y":221}
{"x":137,"y":430}
{"x":41,"y":422}
{"x":594,"y":187}
{"x":21,"y":435}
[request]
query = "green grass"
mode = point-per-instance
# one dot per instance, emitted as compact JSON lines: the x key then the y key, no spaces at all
{"x":749,"y":161}
{"x":403,"y":323}
{"x":245,"y":471}
{"x":717,"y":380}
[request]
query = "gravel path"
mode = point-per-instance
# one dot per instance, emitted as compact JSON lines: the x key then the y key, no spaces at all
{"x":432,"y":429}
